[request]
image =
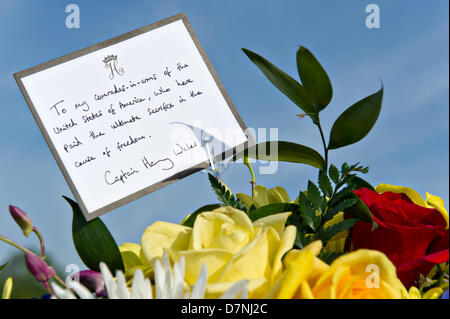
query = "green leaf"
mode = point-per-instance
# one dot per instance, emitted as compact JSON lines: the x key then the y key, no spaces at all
{"x":285,"y":83}
{"x":3,"y":266}
{"x":360,"y":210}
{"x":224,"y":195}
{"x":191,"y":219}
{"x":284,"y":152}
{"x":357,"y":182}
{"x":314,"y":195}
{"x":307,"y":212}
{"x":329,"y":257}
{"x":271,"y":209}
{"x":300,"y":235}
{"x":325,"y":184}
{"x":339,"y":207}
{"x":314,"y":79}
{"x":325,"y":234}
{"x":334,"y":173}
{"x":356,"y":122}
{"x":93,"y":241}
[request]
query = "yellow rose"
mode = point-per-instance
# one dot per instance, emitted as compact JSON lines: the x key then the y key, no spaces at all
{"x":263,"y":196}
{"x":431,"y":201}
{"x":232,"y":247}
{"x":359,"y":274}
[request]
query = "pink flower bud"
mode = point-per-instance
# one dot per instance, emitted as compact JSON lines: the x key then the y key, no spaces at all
{"x":39,"y":268}
{"x":21,"y":219}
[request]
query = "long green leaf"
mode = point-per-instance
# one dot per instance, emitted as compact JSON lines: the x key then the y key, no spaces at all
{"x":284,"y":82}
{"x":356,"y":121}
{"x":93,"y":241}
{"x":271,"y":209}
{"x":314,"y":79}
{"x":191,"y":219}
{"x":283,"y":152}
{"x":3,"y":266}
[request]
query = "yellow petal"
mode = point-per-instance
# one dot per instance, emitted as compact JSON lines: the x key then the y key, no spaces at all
{"x":278,"y":195}
{"x":251,"y":262}
{"x":246,"y":199}
{"x":437,"y":203}
{"x":277,"y":221}
{"x":7,"y":288}
{"x":163,"y":235}
{"x":206,"y":227}
{"x":215,"y":260}
{"x":261,"y":197}
{"x":433,"y":293}
{"x":304,"y":292}
{"x":286,"y":244}
{"x":298,"y":269}
{"x":238,"y":216}
{"x":130,"y":253}
{"x":358,"y":261}
{"x":315,"y":247}
{"x":411,"y":193}
{"x":414,"y":293}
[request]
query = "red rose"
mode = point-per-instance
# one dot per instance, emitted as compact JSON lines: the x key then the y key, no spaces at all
{"x":413,"y":237}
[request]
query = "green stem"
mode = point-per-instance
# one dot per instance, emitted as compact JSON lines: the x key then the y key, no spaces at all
{"x":61,"y":282}
{"x":14,"y":244}
{"x":253,"y":181}
{"x":324,"y":145}
{"x":41,"y":240}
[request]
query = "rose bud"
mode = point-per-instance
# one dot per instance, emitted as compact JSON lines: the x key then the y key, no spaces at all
{"x":92,"y":280}
{"x":21,"y":219}
{"x":39,"y":268}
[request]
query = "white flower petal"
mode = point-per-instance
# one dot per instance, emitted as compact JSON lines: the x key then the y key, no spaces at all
{"x":81,"y":290}
{"x":62,"y":293}
{"x":159,"y":280}
{"x":140,"y":288}
{"x":109,"y":281}
{"x":178,"y":279}
{"x":238,"y":289}
{"x":198,"y":292}
{"x":121,"y":286}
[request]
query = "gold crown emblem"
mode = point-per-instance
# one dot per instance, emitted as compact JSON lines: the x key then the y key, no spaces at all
{"x":110,"y":58}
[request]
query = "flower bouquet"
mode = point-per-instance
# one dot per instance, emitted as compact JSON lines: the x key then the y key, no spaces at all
{"x":340,"y":238}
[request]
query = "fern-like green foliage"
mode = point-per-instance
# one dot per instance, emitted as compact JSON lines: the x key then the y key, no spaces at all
{"x":319,"y":204}
{"x":224,"y":195}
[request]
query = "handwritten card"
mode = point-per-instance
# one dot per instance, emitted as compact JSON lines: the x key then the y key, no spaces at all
{"x":130,"y":115}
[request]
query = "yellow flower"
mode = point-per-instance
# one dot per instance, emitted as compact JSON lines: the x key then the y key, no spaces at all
{"x":133,"y":258}
{"x":232,"y":247}
{"x":414,"y":293}
{"x":337,"y":243}
{"x":431,"y":201}
{"x":359,"y":274}
{"x":7,"y":288}
{"x":264,"y":197}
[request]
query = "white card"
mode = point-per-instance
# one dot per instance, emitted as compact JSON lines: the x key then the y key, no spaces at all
{"x":132,"y":114}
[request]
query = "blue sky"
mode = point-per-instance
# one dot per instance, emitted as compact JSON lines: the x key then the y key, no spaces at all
{"x":408,"y":146}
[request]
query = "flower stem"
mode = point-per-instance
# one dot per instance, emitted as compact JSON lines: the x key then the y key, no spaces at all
{"x":61,"y":282}
{"x":41,"y":240}
{"x":14,"y":244}
{"x":250,"y":168}
{"x":324,"y":145}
